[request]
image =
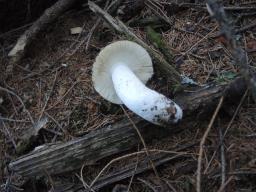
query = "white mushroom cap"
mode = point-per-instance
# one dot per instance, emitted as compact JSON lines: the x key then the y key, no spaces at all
{"x":133,"y":55}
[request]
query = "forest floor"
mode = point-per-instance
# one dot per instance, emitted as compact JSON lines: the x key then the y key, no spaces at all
{"x":53,"y":81}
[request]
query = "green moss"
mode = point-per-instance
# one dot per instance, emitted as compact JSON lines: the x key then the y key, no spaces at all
{"x":157,"y":40}
{"x":155,"y":37}
{"x":226,"y":77}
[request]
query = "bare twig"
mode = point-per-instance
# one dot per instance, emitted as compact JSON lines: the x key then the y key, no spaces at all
{"x":222,"y":187}
{"x":13,"y":120}
{"x":198,"y":181}
{"x":170,"y":185}
{"x":158,"y":10}
{"x":223,"y":159}
{"x":107,"y":8}
{"x":203,"y":7}
{"x":149,"y":185}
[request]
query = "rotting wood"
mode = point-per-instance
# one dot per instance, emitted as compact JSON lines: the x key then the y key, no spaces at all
{"x":166,"y":68}
{"x":62,"y":157}
{"x":110,"y":140}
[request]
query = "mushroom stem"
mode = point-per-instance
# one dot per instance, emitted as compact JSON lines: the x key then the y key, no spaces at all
{"x":146,"y":103}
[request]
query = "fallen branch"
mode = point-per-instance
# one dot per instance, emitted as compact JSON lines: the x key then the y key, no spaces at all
{"x":110,"y":140}
{"x":50,"y":15}
{"x":121,"y":28}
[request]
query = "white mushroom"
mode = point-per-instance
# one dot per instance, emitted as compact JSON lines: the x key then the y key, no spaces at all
{"x":119,"y":73}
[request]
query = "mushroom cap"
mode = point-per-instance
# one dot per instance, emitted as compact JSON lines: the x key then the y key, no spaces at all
{"x":120,"y":52}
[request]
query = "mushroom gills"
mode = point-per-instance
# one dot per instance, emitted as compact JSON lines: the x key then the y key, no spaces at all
{"x":147,"y":103}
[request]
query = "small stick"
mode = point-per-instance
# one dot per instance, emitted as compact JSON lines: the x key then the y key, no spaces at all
{"x":13,"y":120}
{"x":198,"y":178}
{"x":222,"y":187}
{"x":150,"y":186}
{"x":223,"y":159}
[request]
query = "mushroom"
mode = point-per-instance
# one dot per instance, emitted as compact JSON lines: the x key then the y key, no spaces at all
{"x":119,"y":75}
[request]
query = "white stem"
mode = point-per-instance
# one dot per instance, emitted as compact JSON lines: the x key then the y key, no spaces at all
{"x":147,"y":103}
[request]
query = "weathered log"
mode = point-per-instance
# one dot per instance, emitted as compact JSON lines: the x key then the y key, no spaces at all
{"x":110,"y":140}
{"x":68,"y":156}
